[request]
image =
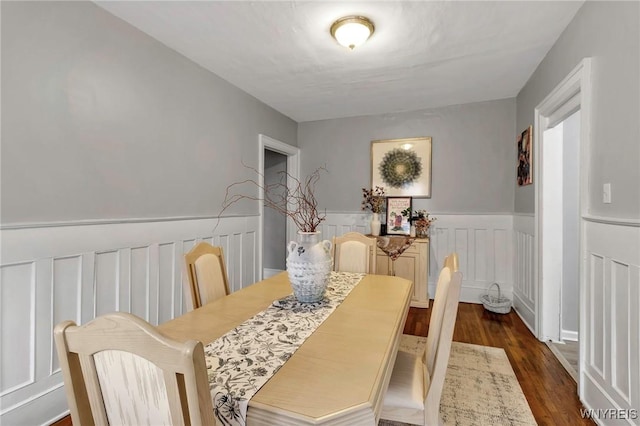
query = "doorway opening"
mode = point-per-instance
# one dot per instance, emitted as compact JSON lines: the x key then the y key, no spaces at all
{"x":561,"y":170}
{"x":561,"y":215}
{"x":277,"y":160}
{"x":274,"y":224}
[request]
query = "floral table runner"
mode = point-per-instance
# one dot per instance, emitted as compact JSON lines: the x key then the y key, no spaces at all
{"x":240,"y":362}
{"x":395,"y":245}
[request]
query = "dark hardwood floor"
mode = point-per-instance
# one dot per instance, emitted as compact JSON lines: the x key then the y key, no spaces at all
{"x":549,"y":389}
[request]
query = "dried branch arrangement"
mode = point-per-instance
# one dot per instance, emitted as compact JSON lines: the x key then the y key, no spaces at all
{"x":373,"y":199}
{"x":419,"y":218}
{"x":298,"y":202}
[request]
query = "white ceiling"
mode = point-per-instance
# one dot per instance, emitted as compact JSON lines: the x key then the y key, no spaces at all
{"x":423,"y":54}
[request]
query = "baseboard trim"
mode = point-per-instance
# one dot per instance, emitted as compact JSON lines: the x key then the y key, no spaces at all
{"x":569,"y":335}
{"x":563,"y":361}
{"x":518,"y":307}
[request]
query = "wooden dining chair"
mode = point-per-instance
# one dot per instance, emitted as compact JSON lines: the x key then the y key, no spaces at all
{"x":414,"y":392}
{"x":436,"y":313}
{"x":452,"y":261}
{"x":206,"y":273}
{"x":118,"y":369}
{"x":354,"y":252}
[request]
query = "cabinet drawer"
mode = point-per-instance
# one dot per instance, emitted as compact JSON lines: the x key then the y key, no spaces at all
{"x":413,"y":249}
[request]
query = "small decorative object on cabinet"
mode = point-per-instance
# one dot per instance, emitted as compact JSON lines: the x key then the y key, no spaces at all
{"x":413,"y":265}
{"x":373,"y":200}
{"x":420,"y":222}
{"x":397,"y":223}
{"x":375,"y":224}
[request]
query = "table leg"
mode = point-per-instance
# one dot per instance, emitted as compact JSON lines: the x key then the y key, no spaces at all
{"x":392,"y":270}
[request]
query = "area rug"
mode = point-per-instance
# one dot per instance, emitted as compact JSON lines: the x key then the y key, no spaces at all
{"x":480,"y":387}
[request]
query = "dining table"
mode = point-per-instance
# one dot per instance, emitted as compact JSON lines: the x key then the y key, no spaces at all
{"x":340,"y":372}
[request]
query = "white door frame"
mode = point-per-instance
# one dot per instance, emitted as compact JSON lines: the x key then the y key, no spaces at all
{"x":572,"y":94}
{"x":550,"y":216}
{"x":293,"y":171}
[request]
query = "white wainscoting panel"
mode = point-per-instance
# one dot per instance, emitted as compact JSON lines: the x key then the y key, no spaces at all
{"x":17,"y":298}
{"x":524,"y":292}
{"x":483,"y":244}
{"x":337,"y":224}
{"x":611,"y":360}
{"x":78,"y":271}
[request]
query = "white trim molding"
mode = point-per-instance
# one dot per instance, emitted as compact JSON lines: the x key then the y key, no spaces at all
{"x":571,"y":94}
{"x":612,"y":220}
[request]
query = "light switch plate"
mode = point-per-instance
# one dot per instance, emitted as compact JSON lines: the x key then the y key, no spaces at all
{"x":606,"y":193}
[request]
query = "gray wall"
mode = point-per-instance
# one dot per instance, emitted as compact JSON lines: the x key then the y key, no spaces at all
{"x":609,"y":32}
{"x":100,"y":121}
{"x":473,"y":155}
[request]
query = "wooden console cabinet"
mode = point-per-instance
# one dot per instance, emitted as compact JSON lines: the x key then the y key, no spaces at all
{"x":413,"y":265}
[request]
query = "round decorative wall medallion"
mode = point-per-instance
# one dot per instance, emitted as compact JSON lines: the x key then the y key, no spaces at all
{"x":400,"y":167}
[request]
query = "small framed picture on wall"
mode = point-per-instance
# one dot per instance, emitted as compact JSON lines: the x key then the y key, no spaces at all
{"x":397,"y":223}
{"x":525,"y":157}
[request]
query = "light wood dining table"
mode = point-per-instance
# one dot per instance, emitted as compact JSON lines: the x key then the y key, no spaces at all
{"x":340,"y":373}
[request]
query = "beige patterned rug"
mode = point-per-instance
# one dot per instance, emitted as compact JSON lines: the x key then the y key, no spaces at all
{"x":480,"y":387}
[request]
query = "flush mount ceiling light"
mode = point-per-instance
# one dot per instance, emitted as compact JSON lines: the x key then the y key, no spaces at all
{"x":352,"y":31}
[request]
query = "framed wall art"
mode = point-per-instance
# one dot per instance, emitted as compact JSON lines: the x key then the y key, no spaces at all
{"x":396,"y":222}
{"x":525,"y":164}
{"x":402,"y":166}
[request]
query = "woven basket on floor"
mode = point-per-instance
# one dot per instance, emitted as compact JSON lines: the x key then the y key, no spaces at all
{"x":497,"y":304}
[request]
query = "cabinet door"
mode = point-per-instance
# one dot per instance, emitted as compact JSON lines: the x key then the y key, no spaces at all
{"x":406,"y":266}
{"x":382,"y":263}
{"x":413,"y":265}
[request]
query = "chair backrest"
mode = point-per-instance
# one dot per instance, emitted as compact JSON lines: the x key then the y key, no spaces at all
{"x":206,"y":273}
{"x":437,"y":375}
{"x":354,"y":252}
{"x":118,"y":369}
{"x":438,"y":308}
{"x":452,"y":262}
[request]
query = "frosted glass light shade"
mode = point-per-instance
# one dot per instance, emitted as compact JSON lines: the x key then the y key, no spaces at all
{"x":352,"y":31}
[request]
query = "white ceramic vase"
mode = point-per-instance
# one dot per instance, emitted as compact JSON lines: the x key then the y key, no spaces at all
{"x":309,"y":266}
{"x":375,"y":224}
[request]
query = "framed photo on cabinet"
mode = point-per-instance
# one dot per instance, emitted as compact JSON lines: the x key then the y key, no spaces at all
{"x":402,"y":166}
{"x":397,"y":223}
